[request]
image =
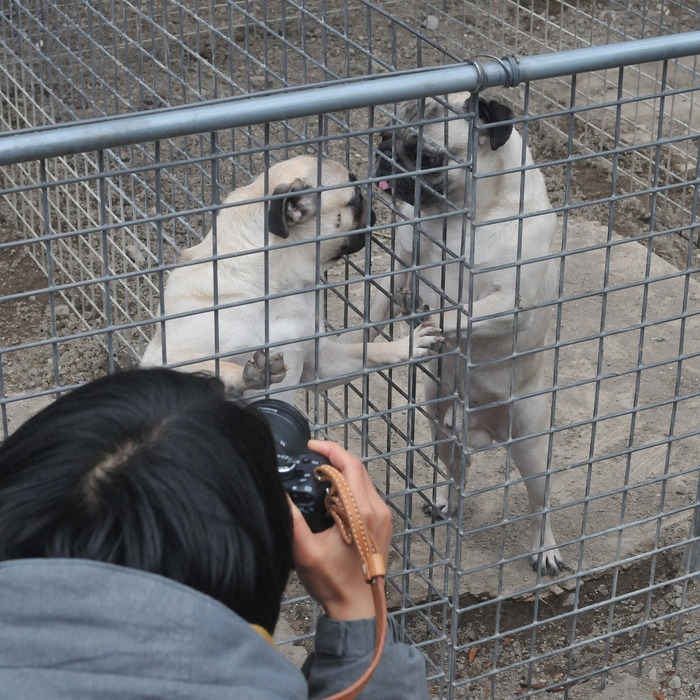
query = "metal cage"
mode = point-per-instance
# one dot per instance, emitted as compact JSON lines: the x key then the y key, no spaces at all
{"x":127,"y":123}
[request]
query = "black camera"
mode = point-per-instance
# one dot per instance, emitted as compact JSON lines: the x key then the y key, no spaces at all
{"x":295,"y":462}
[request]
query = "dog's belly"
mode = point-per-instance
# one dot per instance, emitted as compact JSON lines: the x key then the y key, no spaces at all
{"x":274,"y":331}
{"x":488,"y":384}
{"x":486,"y":380}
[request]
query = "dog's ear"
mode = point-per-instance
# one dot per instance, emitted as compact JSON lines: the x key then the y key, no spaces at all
{"x":492,"y":111}
{"x":290,"y":210}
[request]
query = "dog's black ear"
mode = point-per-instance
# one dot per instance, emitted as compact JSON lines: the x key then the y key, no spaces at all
{"x":492,"y":111}
{"x":287,"y":211}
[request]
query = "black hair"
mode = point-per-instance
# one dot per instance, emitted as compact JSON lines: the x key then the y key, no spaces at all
{"x":154,"y":470}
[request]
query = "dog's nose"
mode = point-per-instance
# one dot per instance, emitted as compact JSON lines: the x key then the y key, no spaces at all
{"x":372,"y":217}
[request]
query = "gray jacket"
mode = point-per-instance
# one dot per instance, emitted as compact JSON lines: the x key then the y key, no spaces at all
{"x":73,"y":629}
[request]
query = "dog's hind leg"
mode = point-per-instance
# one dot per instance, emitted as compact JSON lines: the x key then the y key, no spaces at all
{"x":443,"y":411}
{"x":530,"y":457}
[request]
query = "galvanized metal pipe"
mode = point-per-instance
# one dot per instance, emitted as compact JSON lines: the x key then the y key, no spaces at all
{"x":307,"y":100}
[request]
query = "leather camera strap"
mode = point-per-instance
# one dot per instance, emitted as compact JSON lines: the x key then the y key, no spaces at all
{"x":342,"y":507}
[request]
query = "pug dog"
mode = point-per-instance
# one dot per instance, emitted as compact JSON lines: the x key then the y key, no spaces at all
{"x":495,"y":308}
{"x":256,"y":308}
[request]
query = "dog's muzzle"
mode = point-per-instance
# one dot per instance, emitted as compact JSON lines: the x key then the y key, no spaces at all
{"x":354,"y":243}
{"x":357,"y":241}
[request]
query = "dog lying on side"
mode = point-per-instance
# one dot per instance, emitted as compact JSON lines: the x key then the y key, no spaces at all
{"x":267,"y":297}
{"x":510,"y":227}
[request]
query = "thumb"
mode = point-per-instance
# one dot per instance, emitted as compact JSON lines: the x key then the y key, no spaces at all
{"x":298,"y":521}
{"x":301,"y":531}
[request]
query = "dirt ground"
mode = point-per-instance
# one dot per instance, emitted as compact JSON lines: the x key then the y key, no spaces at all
{"x":576,"y":613}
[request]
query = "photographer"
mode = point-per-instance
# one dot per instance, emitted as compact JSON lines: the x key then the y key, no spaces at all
{"x":145,"y":544}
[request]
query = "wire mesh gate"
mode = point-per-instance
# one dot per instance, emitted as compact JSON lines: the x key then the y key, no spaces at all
{"x":92,"y":223}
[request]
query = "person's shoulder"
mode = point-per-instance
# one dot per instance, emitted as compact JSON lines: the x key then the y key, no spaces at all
{"x":91,"y":573}
{"x":85,"y":580}
{"x":129,"y":614}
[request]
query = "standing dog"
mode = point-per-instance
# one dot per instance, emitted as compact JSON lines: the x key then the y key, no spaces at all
{"x":263,"y":286}
{"x":510,"y":227}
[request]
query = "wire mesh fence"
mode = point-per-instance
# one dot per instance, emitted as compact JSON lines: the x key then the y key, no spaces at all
{"x":91,"y":228}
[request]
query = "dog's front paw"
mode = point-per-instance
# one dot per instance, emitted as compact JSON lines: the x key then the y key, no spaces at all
{"x":407,"y":303}
{"x":258,"y":369}
{"x":549,"y":562}
{"x":426,"y":338}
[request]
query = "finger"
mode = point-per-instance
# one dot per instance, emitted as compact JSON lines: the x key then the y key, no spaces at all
{"x":337,"y":454}
{"x":302,"y":535}
{"x":299,"y":524}
{"x":350,"y":466}
{"x":341,"y":459}
{"x":373,"y":510}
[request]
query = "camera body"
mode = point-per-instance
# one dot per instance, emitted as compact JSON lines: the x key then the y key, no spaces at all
{"x":295,"y":462}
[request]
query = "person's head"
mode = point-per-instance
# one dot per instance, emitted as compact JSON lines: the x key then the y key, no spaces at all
{"x":153,"y":470}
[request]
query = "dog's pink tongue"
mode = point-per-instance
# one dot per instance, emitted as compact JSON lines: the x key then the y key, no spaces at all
{"x":384,"y":186}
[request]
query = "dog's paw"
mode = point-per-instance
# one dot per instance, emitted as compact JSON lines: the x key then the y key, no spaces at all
{"x":439,"y":510}
{"x":278,"y":370}
{"x":548,"y":563}
{"x":421,"y":342}
{"x":260,"y":367}
{"x":407,"y":303}
{"x":426,"y":338}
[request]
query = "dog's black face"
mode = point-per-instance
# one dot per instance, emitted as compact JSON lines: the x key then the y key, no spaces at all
{"x":426,"y":156}
{"x":418,"y":165}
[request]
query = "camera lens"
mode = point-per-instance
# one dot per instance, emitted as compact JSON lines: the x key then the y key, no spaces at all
{"x":289,"y":428}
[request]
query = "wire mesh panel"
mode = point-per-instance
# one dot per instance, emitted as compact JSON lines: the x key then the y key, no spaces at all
{"x":90,"y":236}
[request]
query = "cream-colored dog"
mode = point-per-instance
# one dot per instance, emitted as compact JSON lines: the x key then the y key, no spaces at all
{"x":266,"y":327}
{"x":500,"y":314}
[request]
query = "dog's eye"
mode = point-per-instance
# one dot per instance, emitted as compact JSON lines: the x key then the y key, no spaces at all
{"x":386,"y":146}
{"x":430,"y":160}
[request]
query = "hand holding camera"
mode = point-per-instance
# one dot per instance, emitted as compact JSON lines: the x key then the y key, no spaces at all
{"x":329,"y":569}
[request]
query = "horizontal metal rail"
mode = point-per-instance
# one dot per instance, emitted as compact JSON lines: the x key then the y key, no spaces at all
{"x":288,"y":103}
